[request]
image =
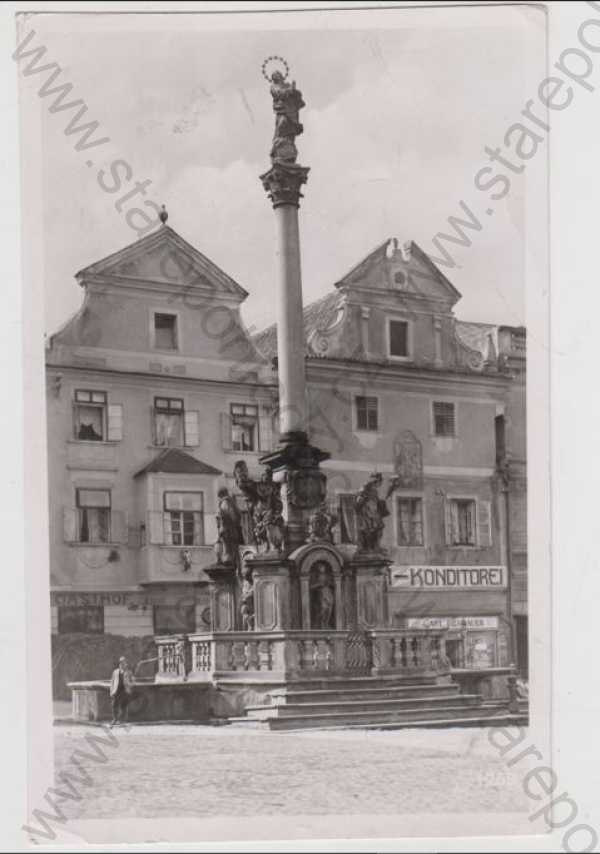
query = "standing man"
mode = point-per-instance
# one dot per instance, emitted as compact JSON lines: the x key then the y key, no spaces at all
{"x":121,"y":686}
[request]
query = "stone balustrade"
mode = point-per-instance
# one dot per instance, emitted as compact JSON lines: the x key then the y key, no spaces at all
{"x":299,"y":654}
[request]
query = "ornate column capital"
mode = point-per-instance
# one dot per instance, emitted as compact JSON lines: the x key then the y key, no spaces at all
{"x":282,"y":183}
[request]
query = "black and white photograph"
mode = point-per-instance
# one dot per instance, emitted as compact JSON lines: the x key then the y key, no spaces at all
{"x":287,"y":566}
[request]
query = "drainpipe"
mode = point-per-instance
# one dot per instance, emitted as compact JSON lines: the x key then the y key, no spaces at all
{"x":503,"y":473}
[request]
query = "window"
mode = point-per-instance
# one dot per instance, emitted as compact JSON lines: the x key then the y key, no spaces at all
{"x":165,"y":331}
{"x":399,"y":278}
{"x":81,"y":618}
{"x":93,"y":510}
{"x":462,"y":521}
{"x":500,"y":434}
{"x":366,"y":413}
{"x":90,"y":415}
{"x":184,"y":519}
{"x":444,"y":423}
{"x":168,"y":421}
{"x":244,"y":427}
{"x":398,"y":338}
{"x":410,"y":521}
{"x":347,"y":517}
{"x":175,"y":619}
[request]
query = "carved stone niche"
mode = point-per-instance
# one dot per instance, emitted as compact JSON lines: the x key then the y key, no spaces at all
{"x":408,"y":460}
{"x":319,"y":568}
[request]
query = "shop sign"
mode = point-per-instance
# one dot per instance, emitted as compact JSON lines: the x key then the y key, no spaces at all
{"x":453,"y":623}
{"x":118,"y":597}
{"x":449,"y":577}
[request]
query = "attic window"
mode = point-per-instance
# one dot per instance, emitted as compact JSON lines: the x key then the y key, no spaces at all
{"x":165,"y":331}
{"x":399,"y":278}
{"x":398,"y":339}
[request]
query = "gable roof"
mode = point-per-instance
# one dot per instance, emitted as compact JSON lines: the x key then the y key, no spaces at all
{"x":196,"y":266}
{"x":175,"y":461}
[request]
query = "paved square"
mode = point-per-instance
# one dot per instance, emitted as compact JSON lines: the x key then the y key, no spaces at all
{"x":202,"y":771}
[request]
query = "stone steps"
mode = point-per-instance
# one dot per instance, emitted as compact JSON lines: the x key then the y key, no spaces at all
{"x":302,"y":696}
{"x":448,"y":715}
{"x":360,"y":706}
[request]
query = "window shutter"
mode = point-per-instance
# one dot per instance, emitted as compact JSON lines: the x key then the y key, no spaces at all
{"x":265,"y":438}
{"x":274,"y":428}
{"x":226,"y":431}
{"x":118,"y":527}
{"x":152,"y":426}
{"x":192,"y":433}
{"x":133,"y":536}
{"x":484,"y":523}
{"x":156,"y":527}
{"x":71,"y":524}
{"x":450,"y":522}
{"x":115,"y":422}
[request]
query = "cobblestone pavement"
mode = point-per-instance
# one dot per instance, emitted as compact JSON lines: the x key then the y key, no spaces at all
{"x":201,"y":771}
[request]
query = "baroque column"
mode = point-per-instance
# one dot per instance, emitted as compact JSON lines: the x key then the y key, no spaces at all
{"x":296,"y":463}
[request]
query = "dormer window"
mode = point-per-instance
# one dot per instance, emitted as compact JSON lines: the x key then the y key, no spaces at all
{"x":399,"y":279}
{"x":165,"y":331}
{"x":398,"y":343}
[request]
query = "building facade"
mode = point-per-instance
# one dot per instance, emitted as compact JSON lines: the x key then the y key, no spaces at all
{"x":155,"y":390}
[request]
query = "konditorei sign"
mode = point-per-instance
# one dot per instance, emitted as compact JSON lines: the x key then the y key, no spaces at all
{"x":449,"y":577}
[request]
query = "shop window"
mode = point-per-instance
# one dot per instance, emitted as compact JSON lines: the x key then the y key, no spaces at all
{"x":462,"y":519}
{"x":88,"y":619}
{"x":175,"y":619}
{"x":90,"y":415}
{"x":398,"y":338}
{"x":93,"y":511}
{"x":184,"y":518}
{"x":410,"y":521}
{"x":244,"y":427}
{"x":347,"y":518}
{"x":367,"y":415}
{"x":165,"y":331}
{"x":444,"y":421}
{"x":168,"y":421}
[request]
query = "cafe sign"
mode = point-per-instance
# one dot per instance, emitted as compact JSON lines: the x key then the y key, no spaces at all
{"x":449,"y":577}
{"x":452,"y":623}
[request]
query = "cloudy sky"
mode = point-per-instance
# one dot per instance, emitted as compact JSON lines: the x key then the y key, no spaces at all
{"x":399,"y":108}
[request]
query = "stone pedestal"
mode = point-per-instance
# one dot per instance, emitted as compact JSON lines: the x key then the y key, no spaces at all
{"x":295,"y":465}
{"x":371,"y":571}
{"x":271,"y":576}
{"x":223,"y":597}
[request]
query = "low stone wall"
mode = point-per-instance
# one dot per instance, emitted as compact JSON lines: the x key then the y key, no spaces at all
{"x":149,"y":701}
{"x":84,"y":657}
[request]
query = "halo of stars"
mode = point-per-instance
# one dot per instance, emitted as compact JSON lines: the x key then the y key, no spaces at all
{"x":274,"y":59}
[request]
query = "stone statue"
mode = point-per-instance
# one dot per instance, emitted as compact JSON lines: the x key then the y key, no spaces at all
{"x":229,"y":528}
{"x":321,"y":524}
{"x":264,"y":506}
{"x":247,"y":600}
{"x":371,"y":510}
{"x":287,"y":103}
{"x":322,"y":597}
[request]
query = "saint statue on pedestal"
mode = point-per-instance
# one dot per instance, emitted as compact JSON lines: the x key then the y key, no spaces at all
{"x":229,"y":528}
{"x":264,"y":506}
{"x":371,"y":510}
{"x":322,"y":597}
